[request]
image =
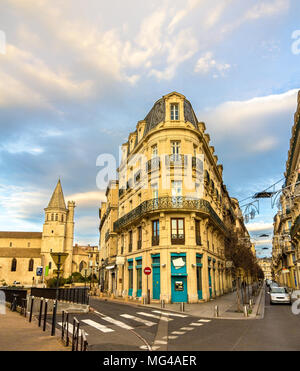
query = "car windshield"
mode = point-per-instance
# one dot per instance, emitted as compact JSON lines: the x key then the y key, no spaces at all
{"x":279,"y":290}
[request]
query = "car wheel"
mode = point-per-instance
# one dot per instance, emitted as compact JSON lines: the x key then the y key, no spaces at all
{"x":271,"y":303}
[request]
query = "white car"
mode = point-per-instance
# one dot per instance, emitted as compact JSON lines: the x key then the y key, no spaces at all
{"x":279,"y":295}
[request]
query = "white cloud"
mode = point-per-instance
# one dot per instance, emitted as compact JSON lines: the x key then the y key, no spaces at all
{"x":207,"y":63}
{"x":264,"y":145}
{"x":91,"y":198}
{"x":249,"y":115}
{"x":259,"y":226}
{"x":267,"y":9}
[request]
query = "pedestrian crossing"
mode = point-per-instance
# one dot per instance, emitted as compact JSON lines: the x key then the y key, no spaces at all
{"x":110,"y":325}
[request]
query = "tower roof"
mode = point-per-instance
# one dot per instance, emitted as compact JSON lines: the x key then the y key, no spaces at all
{"x":57,"y":200}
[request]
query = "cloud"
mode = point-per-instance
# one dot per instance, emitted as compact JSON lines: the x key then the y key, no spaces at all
{"x":207,"y":63}
{"x":248,"y":123}
{"x":259,"y":226}
{"x":91,"y":198}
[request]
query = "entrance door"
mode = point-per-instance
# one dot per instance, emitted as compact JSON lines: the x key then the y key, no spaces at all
{"x":209,"y":282}
{"x":179,"y":289}
{"x":156,"y":283}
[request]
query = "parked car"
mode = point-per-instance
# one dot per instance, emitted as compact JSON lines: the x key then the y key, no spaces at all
{"x":279,"y":295}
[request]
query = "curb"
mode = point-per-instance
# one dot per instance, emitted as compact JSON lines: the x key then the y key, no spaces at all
{"x":170,"y":310}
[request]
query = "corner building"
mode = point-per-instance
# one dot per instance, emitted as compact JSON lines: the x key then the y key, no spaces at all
{"x":169,"y":210}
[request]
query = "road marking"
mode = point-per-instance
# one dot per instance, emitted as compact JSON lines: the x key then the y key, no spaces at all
{"x":170,"y":337}
{"x":196,"y":324}
{"x":204,"y":320}
{"x":71,"y":328}
{"x":153,"y":316}
{"x":114,"y":321}
{"x":178,"y":332}
{"x":97,"y":325}
{"x":160,"y":342}
{"x":187,"y":328}
{"x":137,"y":319}
{"x":170,"y":314}
{"x":155,"y":347}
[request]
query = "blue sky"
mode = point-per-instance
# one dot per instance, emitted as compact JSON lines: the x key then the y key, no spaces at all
{"x":77,"y":76}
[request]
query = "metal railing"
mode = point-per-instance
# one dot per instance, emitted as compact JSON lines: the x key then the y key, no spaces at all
{"x":161,"y":203}
{"x":75,"y":295}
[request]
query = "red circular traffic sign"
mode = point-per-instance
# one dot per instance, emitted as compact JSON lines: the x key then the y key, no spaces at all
{"x":147,"y":270}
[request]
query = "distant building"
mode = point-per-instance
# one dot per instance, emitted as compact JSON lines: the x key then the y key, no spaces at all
{"x":265,"y":264}
{"x":21,"y":253}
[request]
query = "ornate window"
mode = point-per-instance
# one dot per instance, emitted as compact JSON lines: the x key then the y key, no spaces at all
{"x":177,"y":231}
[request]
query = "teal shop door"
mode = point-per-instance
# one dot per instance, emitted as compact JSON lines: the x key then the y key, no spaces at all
{"x":209,"y":282}
{"x":156,"y":282}
{"x":179,"y":289}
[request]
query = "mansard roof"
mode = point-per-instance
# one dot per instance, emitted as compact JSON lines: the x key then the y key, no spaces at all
{"x":157,"y":113}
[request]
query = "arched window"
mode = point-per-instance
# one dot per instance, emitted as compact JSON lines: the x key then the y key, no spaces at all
{"x":52,"y":217}
{"x":81,"y":265}
{"x":30,"y":266}
{"x":14,"y":265}
{"x":56,"y":217}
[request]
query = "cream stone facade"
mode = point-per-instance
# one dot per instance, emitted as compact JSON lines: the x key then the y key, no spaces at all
{"x":169,"y":211}
{"x":265,"y":264}
{"x":286,"y":240}
{"x":21,"y":253}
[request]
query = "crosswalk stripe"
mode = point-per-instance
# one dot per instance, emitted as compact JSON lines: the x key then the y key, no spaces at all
{"x":196,"y":324}
{"x":170,"y":314}
{"x":160,"y":342}
{"x":178,"y":332}
{"x":97,"y":325}
{"x":137,"y":319}
{"x":187,"y":328}
{"x":170,"y":337}
{"x":154,"y":316}
{"x":204,"y":320}
{"x":155,"y":347}
{"x":71,"y":328}
{"x":114,"y":321}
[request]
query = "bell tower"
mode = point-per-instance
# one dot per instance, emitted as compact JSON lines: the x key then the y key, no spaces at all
{"x":58,"y":231}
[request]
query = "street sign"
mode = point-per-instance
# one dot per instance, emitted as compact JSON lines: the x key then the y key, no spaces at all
{"x":59,"y":257}
{"x":39,"y":271}
{"x":147,"y":270}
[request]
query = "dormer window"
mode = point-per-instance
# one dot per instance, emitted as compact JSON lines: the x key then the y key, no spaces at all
{"x":174,"y":108}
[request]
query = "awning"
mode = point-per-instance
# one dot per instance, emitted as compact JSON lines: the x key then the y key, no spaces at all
{"x":110,"y":266}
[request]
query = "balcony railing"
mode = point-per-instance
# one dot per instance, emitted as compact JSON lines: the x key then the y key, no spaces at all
{"x":177,"y":239}
{"x":198,"y":240}
{"x":153,"y":164}
{"x":165,"y":203}
{"x":155,"y":240}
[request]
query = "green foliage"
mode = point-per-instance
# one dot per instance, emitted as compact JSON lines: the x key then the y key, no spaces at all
{"x":51,"y":283}
{"x":75,"y":277}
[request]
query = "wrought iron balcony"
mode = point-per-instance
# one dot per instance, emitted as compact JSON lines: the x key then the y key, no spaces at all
{"x":167,"y":203}
{"x":153,"y":164}
{"x":177,"y":239}
{"x":155,"y":240}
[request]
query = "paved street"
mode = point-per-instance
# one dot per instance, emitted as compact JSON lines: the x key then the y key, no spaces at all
{"x":115,"y":326}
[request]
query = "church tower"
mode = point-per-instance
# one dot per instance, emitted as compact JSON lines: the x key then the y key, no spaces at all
{"x":58,"y":231}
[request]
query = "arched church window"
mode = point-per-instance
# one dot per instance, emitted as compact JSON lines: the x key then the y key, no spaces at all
{"x":30,"y":266}
{"x":81,"y":265}
{"x":14,"y":265}
{"x":56,"y":217}
{"x":52,"y":217}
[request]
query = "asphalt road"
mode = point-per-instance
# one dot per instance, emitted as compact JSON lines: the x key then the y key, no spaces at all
{"x":117,"y":326}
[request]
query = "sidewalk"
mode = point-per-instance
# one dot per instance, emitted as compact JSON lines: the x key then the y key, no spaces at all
{"x":16,"y":333}
{"x":226,"y":304}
